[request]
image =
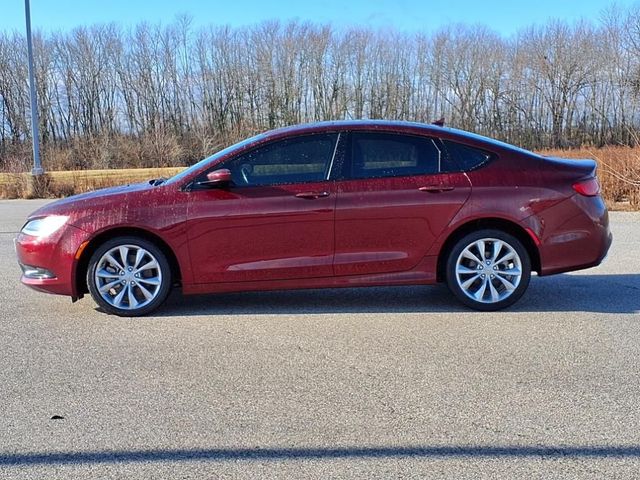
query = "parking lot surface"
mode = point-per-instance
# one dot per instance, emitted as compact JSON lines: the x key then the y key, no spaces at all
{"x":354,"y":383}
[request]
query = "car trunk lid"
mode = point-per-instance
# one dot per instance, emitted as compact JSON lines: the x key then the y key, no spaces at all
{"x":580,"y":168}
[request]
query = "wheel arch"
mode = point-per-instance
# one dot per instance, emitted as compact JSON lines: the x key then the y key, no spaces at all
{"x":80,"y":280}
{"x":502,"y":224}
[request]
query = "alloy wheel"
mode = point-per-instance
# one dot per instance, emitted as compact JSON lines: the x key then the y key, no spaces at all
{"x":488,"y":270}
{"x":128,"y":277}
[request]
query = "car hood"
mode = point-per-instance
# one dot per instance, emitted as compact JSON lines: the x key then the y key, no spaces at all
{"x":76,"y":203}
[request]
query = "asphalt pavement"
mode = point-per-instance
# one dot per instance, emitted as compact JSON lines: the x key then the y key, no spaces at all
{"x":357,"y":383}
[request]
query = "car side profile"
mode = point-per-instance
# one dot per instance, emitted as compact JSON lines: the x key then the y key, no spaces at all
{"x":330,"y":204}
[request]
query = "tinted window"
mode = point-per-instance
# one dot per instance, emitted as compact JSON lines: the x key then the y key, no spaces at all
{"x":296,"y":160}
{"x":463,"y":157}
{"x":390,"y":155}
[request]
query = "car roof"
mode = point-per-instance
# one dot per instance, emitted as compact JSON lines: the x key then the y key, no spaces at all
{"x":340,"y":125}
{"x":396,"y":126}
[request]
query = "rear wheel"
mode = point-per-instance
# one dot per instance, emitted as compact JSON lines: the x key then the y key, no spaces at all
{"x":488,"y":270}
{"x":129,"y":276}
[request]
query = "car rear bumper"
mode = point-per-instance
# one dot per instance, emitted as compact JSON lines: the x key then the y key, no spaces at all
{"x":573,"y":235}
{"x":48,"y":264}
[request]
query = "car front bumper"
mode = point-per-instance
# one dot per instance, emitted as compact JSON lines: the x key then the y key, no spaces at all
{"x":48,"y":264}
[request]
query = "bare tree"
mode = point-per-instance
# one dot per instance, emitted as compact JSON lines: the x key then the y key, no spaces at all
{"x":156,"y":95}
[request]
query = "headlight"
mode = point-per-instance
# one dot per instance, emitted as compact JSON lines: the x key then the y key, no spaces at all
{"x":43,"y":227}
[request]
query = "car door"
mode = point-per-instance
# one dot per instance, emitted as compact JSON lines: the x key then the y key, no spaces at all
{"x":274,"y":221}
{"x":392,"y":202}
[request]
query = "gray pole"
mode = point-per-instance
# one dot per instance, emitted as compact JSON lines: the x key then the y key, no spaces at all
{"x":35,"y":131}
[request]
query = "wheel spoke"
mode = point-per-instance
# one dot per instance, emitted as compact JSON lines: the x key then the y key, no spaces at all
{"x":105,"y":274}
{"x":481,"y":246}
{"x":507,"y":284}
{"x":110,"y":258}
{"x":149,"y":280}
{"x":497,"y":246}
{"x":495,"y":296}
{"x":150,"y":264}
{"x":471,"y":256}
{"x":147,"y":294}
{"x":467,"y":283}
{"x":479,"y":295}
{"x":133,"y":301}
{"x":139,"y":256}
{"x":108,"y":286}
{"x":124,"y":254}
{"x":461,"y":269}
{"x":117,"y":301}
{"x":514,"y":272}
{"x":510,"y":255}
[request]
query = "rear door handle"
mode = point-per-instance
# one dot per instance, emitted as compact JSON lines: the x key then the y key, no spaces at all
{"x":312,"y":195}
{"x":436,"y":188}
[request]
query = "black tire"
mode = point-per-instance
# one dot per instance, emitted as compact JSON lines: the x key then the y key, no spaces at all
{"x":154,"y":280}
{"x":496,"y":278}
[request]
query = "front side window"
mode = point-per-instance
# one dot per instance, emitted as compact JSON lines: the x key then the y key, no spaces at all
{"x":296,"y":160}
{"x":390,"y":155}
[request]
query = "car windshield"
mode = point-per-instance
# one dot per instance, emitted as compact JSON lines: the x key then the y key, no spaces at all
{"x":213,"y":158}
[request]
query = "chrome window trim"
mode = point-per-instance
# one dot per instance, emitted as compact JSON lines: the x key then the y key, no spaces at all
{"x":333,"y":157}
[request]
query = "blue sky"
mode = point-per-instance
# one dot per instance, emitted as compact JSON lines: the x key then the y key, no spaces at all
{"x":503,"y":16}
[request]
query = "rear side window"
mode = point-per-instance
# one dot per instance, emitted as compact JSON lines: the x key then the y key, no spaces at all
{"x":376,"y":155}
{"x":462,"y":157}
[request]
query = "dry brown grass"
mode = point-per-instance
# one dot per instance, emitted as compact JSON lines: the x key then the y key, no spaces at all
{"x":618,"y":173}
{"x":63,"y":184}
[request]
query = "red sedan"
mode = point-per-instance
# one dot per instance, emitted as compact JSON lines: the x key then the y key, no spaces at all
{"x":338,"y":204}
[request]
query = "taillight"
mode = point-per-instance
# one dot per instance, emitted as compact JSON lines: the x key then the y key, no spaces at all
{"x":588,"y":188}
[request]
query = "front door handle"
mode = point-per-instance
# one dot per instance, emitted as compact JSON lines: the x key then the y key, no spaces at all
{"x":436,"y":188}
{"x":312,"y":195}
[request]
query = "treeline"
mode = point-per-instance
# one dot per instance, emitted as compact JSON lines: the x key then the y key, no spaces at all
{"x":168,"y":95}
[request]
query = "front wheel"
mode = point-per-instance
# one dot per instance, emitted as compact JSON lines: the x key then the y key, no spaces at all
{"x":129,"y":276}
{"x":488,"y":270}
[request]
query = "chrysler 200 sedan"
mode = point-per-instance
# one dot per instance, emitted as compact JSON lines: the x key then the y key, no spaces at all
{"x":337,"y":204}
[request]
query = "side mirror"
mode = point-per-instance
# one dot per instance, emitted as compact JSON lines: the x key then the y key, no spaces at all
{"x":217,"y":178}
